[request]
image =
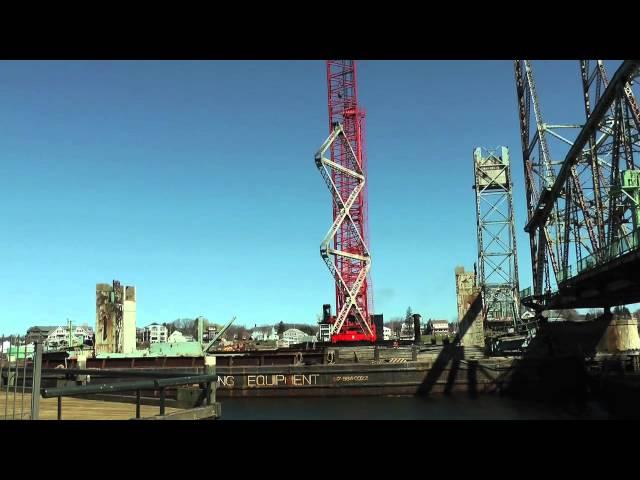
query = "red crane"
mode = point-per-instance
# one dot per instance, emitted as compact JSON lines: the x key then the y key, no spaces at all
{"x":347,"y":240}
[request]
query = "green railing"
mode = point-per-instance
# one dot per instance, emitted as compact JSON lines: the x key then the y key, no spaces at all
{"x":565,"y":274}
{"x":619,"y":247}
{"x":525,"y":293}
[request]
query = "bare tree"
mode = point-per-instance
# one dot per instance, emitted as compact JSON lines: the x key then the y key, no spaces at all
{"x":621,"y":312}
{"x":395,"y":324}
{"x":568,"y":314}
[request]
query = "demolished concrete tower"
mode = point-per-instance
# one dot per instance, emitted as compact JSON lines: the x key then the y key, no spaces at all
{"x":115,"y":318}
{"x":470,"y":321}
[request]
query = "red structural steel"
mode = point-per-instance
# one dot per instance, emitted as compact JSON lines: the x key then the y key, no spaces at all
{"x":344,"y":109}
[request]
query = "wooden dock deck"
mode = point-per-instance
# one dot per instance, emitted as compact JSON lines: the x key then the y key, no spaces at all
{"x":77,"y":409}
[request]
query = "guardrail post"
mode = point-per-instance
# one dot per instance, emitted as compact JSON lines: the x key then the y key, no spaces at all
{"x":210,"y":369}
{"x":634,"y":363}
{"x":35,"y":385}
{"x":161,"y":400}
{"x":206,"y":381}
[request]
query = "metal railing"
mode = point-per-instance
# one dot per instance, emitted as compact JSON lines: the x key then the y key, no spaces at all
{"x":564,"y":274}
{"x":205,"y":381}
{"x":21,"y":376}
{"x":13,"y":377}
{"x":619,"y":247}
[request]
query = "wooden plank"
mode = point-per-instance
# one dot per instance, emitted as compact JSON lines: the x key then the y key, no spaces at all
{"x":79,"y":409}
{"x":199,"y":413}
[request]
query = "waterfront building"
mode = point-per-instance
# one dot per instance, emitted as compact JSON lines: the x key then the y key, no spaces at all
{"x":155,"y":333}
{"x":438,"y":327}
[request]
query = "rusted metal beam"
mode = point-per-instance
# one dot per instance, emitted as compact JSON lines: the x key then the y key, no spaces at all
{"x":155,"y":384}
{"x":115,"y":373}
{"x":549,"y":195}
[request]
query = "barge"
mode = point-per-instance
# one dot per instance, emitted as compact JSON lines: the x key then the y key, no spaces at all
{"x":326,"y":371}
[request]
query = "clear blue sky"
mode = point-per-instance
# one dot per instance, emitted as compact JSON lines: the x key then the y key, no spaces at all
{"x":195,"y":182}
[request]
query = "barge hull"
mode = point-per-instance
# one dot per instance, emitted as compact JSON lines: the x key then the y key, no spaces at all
{"x":444,"y":373}
{"x":355,"y":379}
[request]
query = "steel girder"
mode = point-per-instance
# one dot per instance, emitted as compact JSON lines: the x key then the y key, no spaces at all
{"x":540,"y":171}
{"x":585,"y":209}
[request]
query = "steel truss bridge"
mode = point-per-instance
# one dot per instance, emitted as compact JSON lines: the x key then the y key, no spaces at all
{"x":584,"y":206}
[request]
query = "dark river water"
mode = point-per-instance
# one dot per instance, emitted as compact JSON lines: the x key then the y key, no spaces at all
{"x":486,"y":407}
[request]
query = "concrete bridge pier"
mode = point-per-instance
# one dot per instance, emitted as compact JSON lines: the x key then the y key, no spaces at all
{"x":621,"y":335}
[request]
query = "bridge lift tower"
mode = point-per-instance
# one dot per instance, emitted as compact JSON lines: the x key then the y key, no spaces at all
{"x":497,"y":253}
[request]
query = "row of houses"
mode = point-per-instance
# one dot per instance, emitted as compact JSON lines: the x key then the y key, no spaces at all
{"x":58,"y":336}
{"x":407,"y":331}
{"x":156,"y":333}
{"x":294,"y":335}
{"x":263,"y":334}
{"x":289,"y":337}
{"x":54,"y":337}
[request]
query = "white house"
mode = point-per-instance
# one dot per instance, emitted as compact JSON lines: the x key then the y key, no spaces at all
{"x":438,"y":327}
{"x":59,"y":337}
{"x":155,"y":333}
{"x":262,"y":334}
{"x":83,"y":331}
{"x":294,"y":335}
{"x":386,"y":333}
{"x":176,"y":337}
{"x":257,"y":335}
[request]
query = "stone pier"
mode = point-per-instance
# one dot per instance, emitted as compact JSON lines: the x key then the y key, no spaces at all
{"x":621,"y":335}
{"x":470,"y":320}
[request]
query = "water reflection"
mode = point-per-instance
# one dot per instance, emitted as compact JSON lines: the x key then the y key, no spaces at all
{"x":484,"y":407}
